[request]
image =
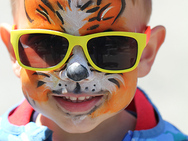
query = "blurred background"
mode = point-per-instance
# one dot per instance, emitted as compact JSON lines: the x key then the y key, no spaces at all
{"x":167,"y":82}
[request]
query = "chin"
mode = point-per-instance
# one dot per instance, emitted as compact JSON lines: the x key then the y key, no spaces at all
{"x":78,"y":125}
{"x":70,"y":123}
{"x":82,"y":124}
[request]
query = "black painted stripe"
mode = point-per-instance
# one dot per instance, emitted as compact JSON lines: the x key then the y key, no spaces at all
{"x":59,"y":5}
{"x":108,"y":18}
{"x":41,"y":73}
{"x":63,"y":29}
{"x":59,"y":16}
{"x":28,"y":100}
{"x":108,"y":73}
{"x":77,"y":89}
{"x":30,"y":20}
{"x":93,"y":27}
{"x":99,"y":2}
{"x":102,"y":10}
{"x":69,"y":58}
{"x":114,"y":81}
{"x":85,"y":5}
{"x":40,"y":83}
{"x":59,"y":91}
{"x":113,"y":73}
{"x":44,"y":14}
{"x":43,"y":9}
{"x":123,"y":3}
{"x":69,"y":2}
{"x":47,"y":3}
{"x":92,"y":19}
{"x":64,"y":67}
{"x":78,"y":5}
{"x":92,"y":10}
{"x":34,"y":102}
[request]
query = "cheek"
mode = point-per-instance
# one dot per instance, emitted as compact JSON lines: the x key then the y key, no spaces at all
{"x":30,"y":86}
{"x":120,"y":98}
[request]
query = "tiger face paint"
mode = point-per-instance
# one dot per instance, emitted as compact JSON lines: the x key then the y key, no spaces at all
{"x":94,"y":16}
{"x":78,"y":102}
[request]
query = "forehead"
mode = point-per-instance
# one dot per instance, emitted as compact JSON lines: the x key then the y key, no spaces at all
{"x":80,"y":16}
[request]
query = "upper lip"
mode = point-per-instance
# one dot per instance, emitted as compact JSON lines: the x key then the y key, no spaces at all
{"x":78,"y":95}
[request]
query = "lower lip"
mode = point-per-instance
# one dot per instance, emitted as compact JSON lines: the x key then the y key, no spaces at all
{"x":80,"y":107}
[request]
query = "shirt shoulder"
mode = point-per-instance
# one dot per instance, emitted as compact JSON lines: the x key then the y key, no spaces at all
{"x":163,"y":131}
{"x":28,"y":132}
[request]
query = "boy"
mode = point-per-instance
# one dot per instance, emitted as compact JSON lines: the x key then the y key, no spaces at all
{"x":81,"y":87}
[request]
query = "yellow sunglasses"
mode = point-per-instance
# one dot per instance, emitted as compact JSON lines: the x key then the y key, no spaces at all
{"x":109,"y":52}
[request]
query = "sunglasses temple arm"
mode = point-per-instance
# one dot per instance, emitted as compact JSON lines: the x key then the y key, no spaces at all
{"x":148,"y":33}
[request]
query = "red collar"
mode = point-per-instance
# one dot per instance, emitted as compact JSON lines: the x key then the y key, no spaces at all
{"x":143,"y":108}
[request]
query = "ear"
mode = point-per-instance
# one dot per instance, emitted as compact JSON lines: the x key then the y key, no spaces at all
{"x":5,"y":36}
{"x":148,"y":56}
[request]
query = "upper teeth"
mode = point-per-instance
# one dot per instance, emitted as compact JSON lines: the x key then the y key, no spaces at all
{"x":73,"y":98}
{"x":81,"y":98}
{"x":77,"y":99}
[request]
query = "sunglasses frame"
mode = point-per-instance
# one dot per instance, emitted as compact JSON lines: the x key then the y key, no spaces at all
{"x":141,"y":38}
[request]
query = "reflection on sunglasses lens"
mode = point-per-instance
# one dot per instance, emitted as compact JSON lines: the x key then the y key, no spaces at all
{"x":113,"y":52}
{"x":42,"y":50}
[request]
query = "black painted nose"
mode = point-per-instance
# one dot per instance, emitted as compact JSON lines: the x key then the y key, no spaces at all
{"x":77,"y":72}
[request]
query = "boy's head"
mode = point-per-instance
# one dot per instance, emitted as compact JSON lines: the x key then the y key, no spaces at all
{"x":76,"y":96}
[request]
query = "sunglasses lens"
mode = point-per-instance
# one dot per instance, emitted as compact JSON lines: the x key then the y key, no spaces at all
{"x":113,"y":52}
{"x":42,"y":50}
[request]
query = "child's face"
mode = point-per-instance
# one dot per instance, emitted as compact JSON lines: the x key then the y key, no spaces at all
{"x":84,"y":102}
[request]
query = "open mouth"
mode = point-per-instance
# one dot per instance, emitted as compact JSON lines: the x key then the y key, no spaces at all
{"x":83,"y":103}
{"x":77,"y":99}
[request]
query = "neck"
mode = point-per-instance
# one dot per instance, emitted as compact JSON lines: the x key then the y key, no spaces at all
{"x":112,"y":129}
